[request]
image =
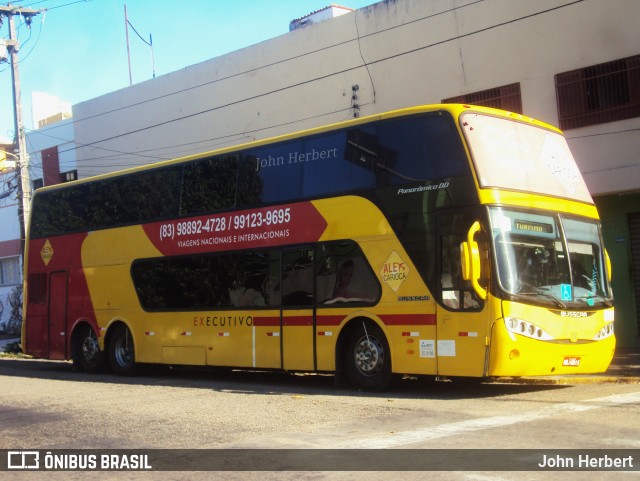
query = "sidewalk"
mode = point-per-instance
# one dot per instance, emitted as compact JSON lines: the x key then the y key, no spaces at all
{"x":624,"y":368}
{"x":626,"y":363}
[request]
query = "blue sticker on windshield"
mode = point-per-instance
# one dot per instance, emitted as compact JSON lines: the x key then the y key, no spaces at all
{"x":566,"y":292}
{"x":590,"y":302}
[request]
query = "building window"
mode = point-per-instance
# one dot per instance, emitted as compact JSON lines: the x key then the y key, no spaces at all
{"x":601,"y":93}
{"x":10,"y":271}
{"x":69,"y":176}
{"x":506,"y":97}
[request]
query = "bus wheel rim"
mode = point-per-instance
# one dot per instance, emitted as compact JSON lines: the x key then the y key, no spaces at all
{"x":369,"y":356}
{"x":122,"y":353}
{"x":90,"y":348}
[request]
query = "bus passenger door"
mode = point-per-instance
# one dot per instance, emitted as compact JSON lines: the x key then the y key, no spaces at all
{"x":57,"y":315}
{"x":462,"y":317}
{"x":297,"y":318}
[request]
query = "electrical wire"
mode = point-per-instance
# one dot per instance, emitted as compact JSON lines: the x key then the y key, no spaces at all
{"x":373,"y":87}
{"x":273,"y":64}
{"x":219,"y":141}
{"x":279,"y":90}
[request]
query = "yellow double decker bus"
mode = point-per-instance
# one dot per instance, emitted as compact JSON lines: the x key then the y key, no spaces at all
{"x":443,"y":240}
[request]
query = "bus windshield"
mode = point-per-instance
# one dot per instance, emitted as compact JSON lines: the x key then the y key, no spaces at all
{"x":518,"y":156}
{"x":550,"y":259}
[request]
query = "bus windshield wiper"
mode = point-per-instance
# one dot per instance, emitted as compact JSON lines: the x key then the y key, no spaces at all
{"x":546,"y":295}
{"x":606,"y":302}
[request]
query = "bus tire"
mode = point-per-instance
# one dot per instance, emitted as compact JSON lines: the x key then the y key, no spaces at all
{"x":368,"y":363}
{"x":86,"y":353}
{"x":121,"y":351}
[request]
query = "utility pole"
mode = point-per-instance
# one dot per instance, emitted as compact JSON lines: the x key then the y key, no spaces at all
{"x":22,"y":164}
{"x":128,"y":24}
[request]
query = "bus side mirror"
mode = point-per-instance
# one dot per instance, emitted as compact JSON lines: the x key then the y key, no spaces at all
{"x":608,"y":261}
{"x":470,"y":261}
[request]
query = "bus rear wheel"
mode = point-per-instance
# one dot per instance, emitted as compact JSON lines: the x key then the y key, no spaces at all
{"x":121,"y":351}
{"x":87,"y":356}
{"x":368,"y":363}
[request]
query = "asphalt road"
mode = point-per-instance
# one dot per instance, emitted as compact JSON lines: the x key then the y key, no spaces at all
{"x":45,"y":405}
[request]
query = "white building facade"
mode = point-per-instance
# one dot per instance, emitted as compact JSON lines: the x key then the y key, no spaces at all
{"x":10,"y":261}
{"x":571,"y":63}
{"x":52,"y":160}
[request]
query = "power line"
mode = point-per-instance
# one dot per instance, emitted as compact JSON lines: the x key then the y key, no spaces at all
{"x":23,"y":189}
{"x":220,"y":141}
{"x":68,"y":4}
{"x":275,"y":63}
{"x":204,"y":111}
{"x":148,"y":127}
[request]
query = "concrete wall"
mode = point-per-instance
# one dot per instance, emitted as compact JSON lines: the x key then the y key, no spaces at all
{"x":400,"y":53}
{"x":60,"y":135}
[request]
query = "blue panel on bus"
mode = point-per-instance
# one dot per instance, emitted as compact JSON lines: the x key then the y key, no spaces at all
{"x":394,"y":152}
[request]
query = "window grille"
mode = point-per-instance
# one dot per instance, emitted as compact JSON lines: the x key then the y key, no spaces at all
{"x":506,"y":97}
{"x":38,"y":288}
{"x":598,"y":94}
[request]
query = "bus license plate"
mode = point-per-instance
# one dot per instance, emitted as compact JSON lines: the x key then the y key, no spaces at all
{"x":571,"y":361}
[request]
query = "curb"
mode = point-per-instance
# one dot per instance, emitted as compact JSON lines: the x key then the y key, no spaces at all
{"x":568,"y":381}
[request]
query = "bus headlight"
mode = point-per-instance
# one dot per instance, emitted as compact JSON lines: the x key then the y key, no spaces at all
{"x":606,"y":331}
{"x":527,"y":329}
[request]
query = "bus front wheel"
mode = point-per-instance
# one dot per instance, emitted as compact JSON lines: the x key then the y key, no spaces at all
{"x":368,"y":364}
{"x":121,"y":351}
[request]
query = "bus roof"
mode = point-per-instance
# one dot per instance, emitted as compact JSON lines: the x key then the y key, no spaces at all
{"x":454,"y":109}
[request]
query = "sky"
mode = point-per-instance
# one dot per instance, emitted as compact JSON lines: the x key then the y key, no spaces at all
{"x":76,"y":50}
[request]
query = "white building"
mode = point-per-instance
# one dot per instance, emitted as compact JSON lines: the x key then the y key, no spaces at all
{"x":318,"y":16}
{"x":10,"y":266}
{"x":52,"y":160}
{"x":47,"y":109}
{"x":572,"y":64}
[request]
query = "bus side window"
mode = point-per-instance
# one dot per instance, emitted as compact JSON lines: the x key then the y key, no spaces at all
{"x":297,"y":278}
{"x":344,"y":275}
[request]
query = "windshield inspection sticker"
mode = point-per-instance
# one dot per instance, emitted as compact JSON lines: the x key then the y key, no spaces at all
{"x":566,"y":292}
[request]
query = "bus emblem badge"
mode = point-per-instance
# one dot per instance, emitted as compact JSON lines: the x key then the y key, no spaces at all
{"x":46,"y":253}
{"x":394,"y":271}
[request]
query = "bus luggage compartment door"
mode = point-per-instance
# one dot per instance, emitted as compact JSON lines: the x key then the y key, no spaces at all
{"x":57,"y":315}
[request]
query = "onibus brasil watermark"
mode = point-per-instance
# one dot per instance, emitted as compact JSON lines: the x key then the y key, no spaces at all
{"x":241,"y":459}
{"x":51,"y":461}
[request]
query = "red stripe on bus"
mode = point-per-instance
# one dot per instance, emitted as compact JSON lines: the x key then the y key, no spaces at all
{"x":297,"y":321}
{"x":334,"y":320}
{"x":330,"y":320}
{"x":388,"y":319}
{"x":409,"y":319}
{"x":266,"y":321}
{"x":247,"y":229}
{"x":273,"y":321}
